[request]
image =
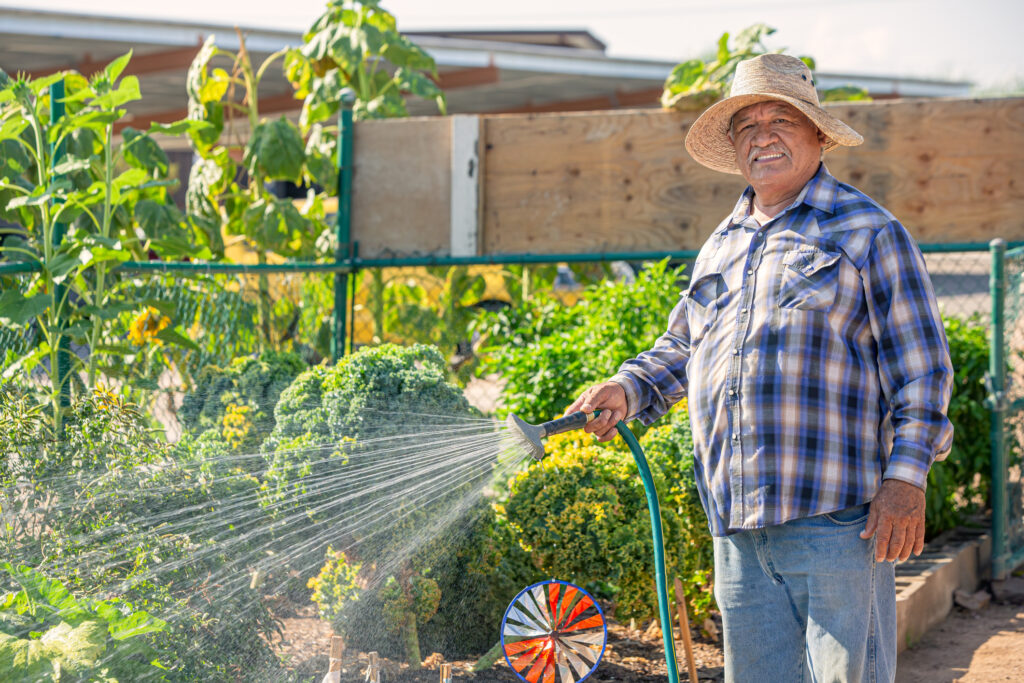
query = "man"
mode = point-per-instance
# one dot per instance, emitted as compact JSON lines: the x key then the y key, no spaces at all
{"x":817,"y":372}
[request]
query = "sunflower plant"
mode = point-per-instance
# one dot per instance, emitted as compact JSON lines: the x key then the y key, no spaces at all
{"x":78,"y":202}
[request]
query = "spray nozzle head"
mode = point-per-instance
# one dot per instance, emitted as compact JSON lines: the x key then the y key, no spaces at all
{"x":531,"y":435}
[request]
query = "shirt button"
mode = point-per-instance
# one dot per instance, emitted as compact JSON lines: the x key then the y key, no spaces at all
{"x":735,"y":437}
{"x":735,"y":352}
{"x":750,"y":271}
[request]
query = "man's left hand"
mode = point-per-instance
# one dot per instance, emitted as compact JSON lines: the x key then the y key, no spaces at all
{"x":897,"y":515}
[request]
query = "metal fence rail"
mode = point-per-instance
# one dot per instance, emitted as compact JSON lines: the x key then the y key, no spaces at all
{"x":1006,"y":389}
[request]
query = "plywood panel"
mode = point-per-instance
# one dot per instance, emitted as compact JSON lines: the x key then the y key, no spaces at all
{"x":950,"y":170}
{"x":609,"y":181}
{"x":401,"y":187}
{"x":621,"y":181}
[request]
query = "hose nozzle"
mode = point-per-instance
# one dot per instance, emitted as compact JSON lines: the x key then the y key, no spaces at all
{"x":532,"y":434}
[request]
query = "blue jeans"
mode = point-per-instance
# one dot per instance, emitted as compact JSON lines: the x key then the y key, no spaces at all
{"x":806,"y":601}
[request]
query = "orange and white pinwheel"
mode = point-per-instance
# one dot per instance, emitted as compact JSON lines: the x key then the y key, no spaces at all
{"x":553,"y":628}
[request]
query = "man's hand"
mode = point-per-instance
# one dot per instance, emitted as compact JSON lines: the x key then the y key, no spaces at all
{"x":610,"y":399}
{"x":897,"y":514}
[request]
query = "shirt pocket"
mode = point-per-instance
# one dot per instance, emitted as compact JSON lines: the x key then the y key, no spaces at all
{"x":810,"y":279}
{"x":707,"y":294}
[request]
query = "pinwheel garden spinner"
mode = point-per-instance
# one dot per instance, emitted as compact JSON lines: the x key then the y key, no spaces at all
{"x":553,"y":627}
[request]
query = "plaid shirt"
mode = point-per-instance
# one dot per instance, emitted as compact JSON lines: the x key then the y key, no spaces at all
{"x":813,"y":358}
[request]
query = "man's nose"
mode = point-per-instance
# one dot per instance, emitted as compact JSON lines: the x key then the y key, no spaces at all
{"x":763,"y":134}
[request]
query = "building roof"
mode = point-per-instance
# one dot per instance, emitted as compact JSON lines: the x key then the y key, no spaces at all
{"x":480,"y":71}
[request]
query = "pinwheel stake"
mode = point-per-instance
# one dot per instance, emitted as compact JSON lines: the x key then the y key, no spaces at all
{"x":553,"y":628}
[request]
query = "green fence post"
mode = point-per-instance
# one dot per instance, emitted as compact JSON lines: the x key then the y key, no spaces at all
{"x":63,"y":369}
{"x":997,"y":404}
{"x":343,"y":227}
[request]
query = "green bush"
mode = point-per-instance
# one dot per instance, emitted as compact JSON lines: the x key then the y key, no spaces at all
{"x":581,"y":514}
{"x":248,"y":385}
{"x":960,"y":485}
{"x":668,"y":446}
{"x":107,"y":510}
{"x":548,"y":352}
{"x":334,"y":426}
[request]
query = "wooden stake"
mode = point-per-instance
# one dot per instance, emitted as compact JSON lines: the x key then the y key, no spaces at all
{"x":446,"y":673}
{"x":373,"y":670}
{"x":684,"y":627}
{"x":337,"y":650}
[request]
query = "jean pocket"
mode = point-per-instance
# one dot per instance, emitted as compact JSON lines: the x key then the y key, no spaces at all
{"x":858,"y":514}
{"x":810,"y":279}
{"x":706,"y":295}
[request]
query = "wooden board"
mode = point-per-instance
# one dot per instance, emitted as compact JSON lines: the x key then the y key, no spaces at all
{"x":609,"y":181}
{"x":401,"y":187}
{"x":622,"y":181}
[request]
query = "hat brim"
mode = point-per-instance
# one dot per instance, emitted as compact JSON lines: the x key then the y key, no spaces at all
{"x":708,"y":141}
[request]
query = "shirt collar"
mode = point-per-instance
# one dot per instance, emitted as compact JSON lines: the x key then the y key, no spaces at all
{"x":820,"y":192}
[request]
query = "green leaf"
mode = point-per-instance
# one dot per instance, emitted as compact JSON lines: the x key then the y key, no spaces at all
{"x":40,"y":84}
{"x":127,"y":91}
{"x":62,"y":264}
{"x":276,"y":147}
{"x":71,"y":164}
{"x":138,"y":623}
{"x":723,"y":48}
{"x":114,"y":69}
{"x":141,"y":151}
{"x":156,"y":218}
{"x":174,"y":337}
{"x":189,"y":126}
{"x":214,"y":88}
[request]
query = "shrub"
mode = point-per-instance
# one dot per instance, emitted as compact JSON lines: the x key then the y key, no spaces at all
{"x":247,"y":386}
{"x":581,"y":514}
{"x":959,"y":486}
{"x":337,"y":428}
{"x":668,"y":446}
{"x":108,"y":510}
{"x":547,"y":352}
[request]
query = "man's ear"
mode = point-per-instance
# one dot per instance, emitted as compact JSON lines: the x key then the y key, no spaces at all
{"x":822,"y":138}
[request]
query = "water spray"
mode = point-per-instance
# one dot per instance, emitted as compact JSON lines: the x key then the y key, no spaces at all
{"x":530,"y":437}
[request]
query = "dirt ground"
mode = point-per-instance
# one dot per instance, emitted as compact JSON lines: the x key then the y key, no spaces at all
{"x":969,"y":647}
{"x":982,"y":646}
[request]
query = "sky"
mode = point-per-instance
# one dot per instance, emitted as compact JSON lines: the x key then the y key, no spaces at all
{"x":974,"y":40}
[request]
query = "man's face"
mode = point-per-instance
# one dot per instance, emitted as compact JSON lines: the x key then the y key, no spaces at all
{"x":777,"y":148}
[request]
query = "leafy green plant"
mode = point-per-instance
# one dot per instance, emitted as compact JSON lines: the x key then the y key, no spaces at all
{"x":548,"y":352}
{"x":356,"y":44}
{"x":109,"y":510}
{"x":275,"y":150}
{"x":248,"y":381}
{"x":374,"y":394}
{"x":46,"y":633}
{"x":695,"y":84}
{"x":111,"y":199}
{"x":960,"y":485}
{"x":580,"y":513}
{"x":668,"y":446}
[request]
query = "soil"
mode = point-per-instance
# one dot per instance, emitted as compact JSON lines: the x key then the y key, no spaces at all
{"x":980,"y":646}
{"x":632,"y":655}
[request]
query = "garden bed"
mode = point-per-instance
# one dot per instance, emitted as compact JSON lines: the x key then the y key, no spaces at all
{"x":632,"y":655}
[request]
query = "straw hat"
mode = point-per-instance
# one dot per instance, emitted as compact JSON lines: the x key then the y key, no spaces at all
{"x":763,"y":78}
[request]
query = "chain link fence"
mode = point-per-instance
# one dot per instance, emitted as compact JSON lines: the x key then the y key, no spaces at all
{"x":221,"y":317}
{"x":1006,"y":385}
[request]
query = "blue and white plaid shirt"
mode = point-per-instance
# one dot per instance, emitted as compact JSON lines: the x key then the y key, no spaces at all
{"x":813,"y":358}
